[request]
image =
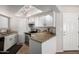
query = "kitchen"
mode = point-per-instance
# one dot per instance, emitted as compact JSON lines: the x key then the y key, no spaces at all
{"x":28,"y":29}
{"x":43,"y":30}
{"x":31,"y":28}
{"x":39,"y":29}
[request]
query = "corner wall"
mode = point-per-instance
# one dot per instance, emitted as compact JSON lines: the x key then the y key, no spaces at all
{"x":20,"y":24}
{"x":59,"y":31}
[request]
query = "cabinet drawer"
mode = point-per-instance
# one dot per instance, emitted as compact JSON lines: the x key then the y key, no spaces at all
{"x":9,"y":41}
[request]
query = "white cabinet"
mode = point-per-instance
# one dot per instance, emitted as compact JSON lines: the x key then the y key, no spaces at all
{"x":35,"y":47}
{"x":9,"y":41}
{"x":49,"y":47}
{"x":49,"y":20}
{"x":31,"y":20}
{"x":43,"y":20}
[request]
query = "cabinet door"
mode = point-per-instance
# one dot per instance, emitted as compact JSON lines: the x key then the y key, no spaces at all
{"x":14,"y":37}
{"x":40,"y":21}
{"x":9,"y":42}
{"x":49,"y":47}
{"x":34,"y":47}
{"x":49,"y":20}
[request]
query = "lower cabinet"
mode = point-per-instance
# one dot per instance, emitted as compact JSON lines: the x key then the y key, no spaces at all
{"x":9,"y":41}
{"x":47,"y":47}
{"x":35,"y":47}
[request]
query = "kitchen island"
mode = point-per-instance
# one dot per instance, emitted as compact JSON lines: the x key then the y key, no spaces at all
{"x":42,"y":43}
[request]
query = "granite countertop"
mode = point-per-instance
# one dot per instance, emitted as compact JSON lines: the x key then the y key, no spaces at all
{"x":42,"y":36}
{"x":6,"y":34}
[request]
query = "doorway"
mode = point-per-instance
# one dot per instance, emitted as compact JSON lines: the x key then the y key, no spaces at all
{"x":70,"y":31}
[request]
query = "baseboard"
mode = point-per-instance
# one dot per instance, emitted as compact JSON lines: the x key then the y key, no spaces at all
{"x":71,"y":50}
{"x":59,"y":52}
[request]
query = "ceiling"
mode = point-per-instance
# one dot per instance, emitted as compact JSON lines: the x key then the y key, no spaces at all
{"x":29,"y":10}
{"x":9,"y":10}
{"x":68,"y":8}
{"x":14,"y":8}
{"x":46,"y":7}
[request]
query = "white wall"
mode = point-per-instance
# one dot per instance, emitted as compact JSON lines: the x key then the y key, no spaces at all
{"x":20,"y":24}
{"x":3,"y":22}
{"x":59,"y":31}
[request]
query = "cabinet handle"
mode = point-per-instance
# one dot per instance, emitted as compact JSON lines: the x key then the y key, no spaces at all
{"x":10,"y":39}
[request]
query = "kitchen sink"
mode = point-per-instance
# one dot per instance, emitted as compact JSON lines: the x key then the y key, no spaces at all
{"x":33,"y":32}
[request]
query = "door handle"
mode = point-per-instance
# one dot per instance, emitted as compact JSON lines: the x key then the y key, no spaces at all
{"x":10,"y":39}
{"x":64,"y":33}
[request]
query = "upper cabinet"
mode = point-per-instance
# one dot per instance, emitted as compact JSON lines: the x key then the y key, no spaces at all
{"x":31,"y":20}
{"x":43,"y":20}
{"x":49,"y":20}
{"x":39,"y":22}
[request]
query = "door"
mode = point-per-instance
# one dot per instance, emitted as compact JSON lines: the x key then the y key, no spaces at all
{"x":78,"y":31}
{"x":70,"y":31}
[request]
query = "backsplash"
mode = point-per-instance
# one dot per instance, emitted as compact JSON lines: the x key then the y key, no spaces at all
{"x":47,"y":29}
